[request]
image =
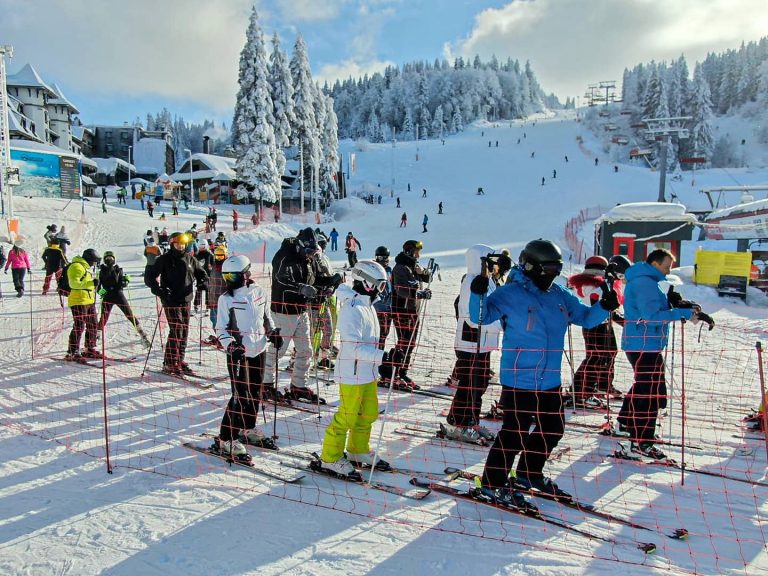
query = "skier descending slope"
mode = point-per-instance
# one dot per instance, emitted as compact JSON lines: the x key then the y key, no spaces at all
{"x":244,"y":327}
{"x":535,"y":314}
{"x":358,"y":364}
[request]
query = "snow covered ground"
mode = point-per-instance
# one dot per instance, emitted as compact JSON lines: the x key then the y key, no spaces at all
{"x":167,"y":510}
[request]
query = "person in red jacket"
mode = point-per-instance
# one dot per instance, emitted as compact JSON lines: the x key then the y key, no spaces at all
{"x":18,"y":262}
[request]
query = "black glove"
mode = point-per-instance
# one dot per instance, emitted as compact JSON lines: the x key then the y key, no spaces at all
{"x":687,"y":305}
{"x":336,"y":279}
{"x":389,"y":362}
{"x":674,"y":298}
{"x":479,"y":285}
{"x":236,"y":352}
{"x":202,"y":286}
{"x":610,"y":300}
{"x":706,"y":318}
{"x":307,"y":291}
{"x":425,"y":294}
{"x":274,"y":338}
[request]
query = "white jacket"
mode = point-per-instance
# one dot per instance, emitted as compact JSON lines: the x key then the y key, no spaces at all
{"x":359,"y":358}
{"x":466,"y":330}
{"x":250,"y":312}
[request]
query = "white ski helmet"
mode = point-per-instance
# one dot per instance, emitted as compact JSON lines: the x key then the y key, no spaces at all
{"x":371,"y":274}
{"x":235,"y":265}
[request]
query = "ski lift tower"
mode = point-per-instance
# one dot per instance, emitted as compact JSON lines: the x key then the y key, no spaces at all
{"x":661,"y":130}
{"x":610,"y":90}
{"x":5,"y":138}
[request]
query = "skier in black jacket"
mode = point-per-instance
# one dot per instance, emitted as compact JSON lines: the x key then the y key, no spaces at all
{"x":177,"y":272}
{"x":205,"y":257}
{"x":112,"y":281}
{"x":407,"y":278}
{"x":54,"y":263}
{"x":296,"y":282}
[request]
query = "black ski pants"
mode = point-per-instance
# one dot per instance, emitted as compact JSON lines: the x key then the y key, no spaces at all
{"x":84,"y":320}
{"x":474,"y":373}
{"x":595,"y":374}
{"x":351,"y":257}
{"x":647,"y":396}
{"x":18,"y":278}
{"x":533,"y":425}
{"x":116,"y":299}
{"x":246,"y":378}
{"x":385,"y":321}
{"x":178,"y":331}
{"x":407,"y":328}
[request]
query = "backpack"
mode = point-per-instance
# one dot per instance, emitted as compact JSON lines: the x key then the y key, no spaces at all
{"x":62,"y":283}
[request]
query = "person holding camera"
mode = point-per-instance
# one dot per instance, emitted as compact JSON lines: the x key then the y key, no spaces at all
{"x":473,"y":345}
{"x":647,"y":315}
{"x":244,"y":327}
{"x":358,"y":365}
{"x":535,"y":314}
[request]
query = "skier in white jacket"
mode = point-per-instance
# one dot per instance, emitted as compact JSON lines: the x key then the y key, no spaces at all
{"x":473,"y":346}
{"x":359,"y":363}
{"x":244,"y":327}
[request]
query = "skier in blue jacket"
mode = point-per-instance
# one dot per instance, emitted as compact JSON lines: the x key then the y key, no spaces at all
{"x":647,"y":315}
{"x":535,"y":314}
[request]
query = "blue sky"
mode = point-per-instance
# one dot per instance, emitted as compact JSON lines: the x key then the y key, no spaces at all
{"x":117,"y":60}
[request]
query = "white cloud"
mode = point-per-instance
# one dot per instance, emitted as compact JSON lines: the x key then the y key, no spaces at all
{"x":310,"y":10}
{"x":571,"y":43}
{"x":185,"y":49}
{"x":343,"y":70}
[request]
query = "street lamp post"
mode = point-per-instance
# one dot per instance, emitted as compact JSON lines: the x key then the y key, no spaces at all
{"x":191,"y":187}
{"x":130,"y":148}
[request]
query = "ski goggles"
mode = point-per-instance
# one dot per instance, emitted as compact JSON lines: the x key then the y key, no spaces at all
{"x":551,"y":268}
{"x":235,"y":276}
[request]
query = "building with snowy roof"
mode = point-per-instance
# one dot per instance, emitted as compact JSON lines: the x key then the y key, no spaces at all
{"x":637,"y":228}
{"x":207,"y":172}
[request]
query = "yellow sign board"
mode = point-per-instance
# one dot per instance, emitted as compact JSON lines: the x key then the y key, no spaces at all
{"x":710,"y":265}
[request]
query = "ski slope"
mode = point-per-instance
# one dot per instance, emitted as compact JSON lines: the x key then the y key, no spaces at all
{"x":166,"y":510}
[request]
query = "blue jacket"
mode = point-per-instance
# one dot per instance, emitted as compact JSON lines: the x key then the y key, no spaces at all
{"x":646,"y":310}
{"x":534,"y":324}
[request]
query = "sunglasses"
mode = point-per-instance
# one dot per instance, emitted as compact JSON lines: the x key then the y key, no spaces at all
{"x":553,"y":268}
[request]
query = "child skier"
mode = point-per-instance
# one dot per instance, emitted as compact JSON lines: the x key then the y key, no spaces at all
{"x":358,"y":365}
{"x":244,"y":327}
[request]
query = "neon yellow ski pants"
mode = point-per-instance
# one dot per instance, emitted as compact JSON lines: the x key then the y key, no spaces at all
{"x":358,"y":410}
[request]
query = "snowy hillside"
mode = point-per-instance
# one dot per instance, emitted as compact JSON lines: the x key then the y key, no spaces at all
{"x":167,"y":510}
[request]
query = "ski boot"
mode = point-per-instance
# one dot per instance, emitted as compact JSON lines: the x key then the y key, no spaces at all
{"x":505,"y":496}
{"x":304,"y":394}
{"x":754,"y":421}
{"x":364,"y":460}
{"x":270,"y":394}
{"x":256,"y":437}
{"x":648,"y":450}
{"x":75,"y":357}
{"x":461,"y":434}
{"x":495,"y":413}
{"x":484,"y":433}
{"x":186,"y":370}
{"x":92,"y":353}
{"x":543,"y":485}
{"x":325,"y":364}
{"x":342,"y":468}
{"x":173,"y":370}
{"x":231,"y":449}
{"x":404,"y":383}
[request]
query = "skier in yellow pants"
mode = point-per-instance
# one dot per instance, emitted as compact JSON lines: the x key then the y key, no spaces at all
{"x":358,"y":365}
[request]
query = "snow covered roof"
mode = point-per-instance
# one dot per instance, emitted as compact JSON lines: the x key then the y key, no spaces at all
{"x":28,"y":77}
{"x":639,"y":211}
{"x":61,"y":100}
{"x":87,"y":181}
{"x":79,"y":131}
{"x":30,"y":146}
{"x":88,"y":162}
{"x":149,"y":155}
{"x":740,"y":209}
{"x":109,"y":165}
{"x":217,"y":167}
{"x":14,"y":125}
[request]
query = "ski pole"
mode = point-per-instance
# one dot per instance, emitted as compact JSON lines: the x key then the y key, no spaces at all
{"x":31,"y":328}
{"x":152,"y":341}
{"x":682,"y":403}
{"x":672,"y":378}
{"x":759,"y":348}
{"x":203,"y":295}
{"x":275,"y":380}
{"x":573,"y":372}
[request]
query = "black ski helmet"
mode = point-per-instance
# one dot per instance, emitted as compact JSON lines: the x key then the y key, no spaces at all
{"x":91,"y":256}
{"x":410,"y":245}
{"x":620,"y":263}
{"x":382,"y":253}
{"x":540,"y":252}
